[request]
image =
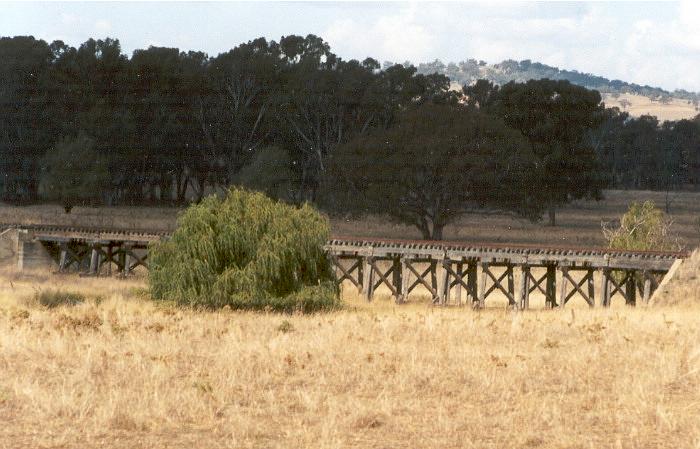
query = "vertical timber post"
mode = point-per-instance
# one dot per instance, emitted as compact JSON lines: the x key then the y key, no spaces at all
{"x":444,"y":282}
{"x":405,"y":279}
{"x":122,"y":259}
{"x":127,"y":260}
{"x":458,"y":287}
{"x":525,"y":287}
{"x":472,"y":291}
{"x":511,"y":285}
{"x":20,"y":255}
{"x":605,"y":287}
{"x":562,"y":290}
{"x":63,"y":259}
{"x":591,"y":290}
{"x":94,"y":260}
{"x":397,"y":278}
{"x":369,"y":278}
{"x":630,"y":289}
{"x":551,"y":287}
{"x":358,"y":262}
{"x":646,"y":294}
{"x":109,"y":259}
{"x":433,"y":278}
{"x":482,"y":285}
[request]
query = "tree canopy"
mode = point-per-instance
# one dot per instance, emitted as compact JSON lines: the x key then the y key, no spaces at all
{"x":437,"y":161}
{"x":74,"y":173}
{"x":555,"y":117}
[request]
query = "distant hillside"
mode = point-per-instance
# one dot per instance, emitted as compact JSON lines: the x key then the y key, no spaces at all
{"x":634,"y":98}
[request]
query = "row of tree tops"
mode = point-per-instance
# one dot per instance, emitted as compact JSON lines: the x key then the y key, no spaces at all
{"x":90,"y":124}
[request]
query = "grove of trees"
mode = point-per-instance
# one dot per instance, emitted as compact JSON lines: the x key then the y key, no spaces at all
{"x":91,"y":125}
{"x":172,"y":123}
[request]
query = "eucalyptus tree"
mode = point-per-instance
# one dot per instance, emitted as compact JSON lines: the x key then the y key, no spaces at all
{"x":238,"y":117}
{"x":74,"y":172}
{"x":438,"y":161}
{"x":26,"y":124}
{"x":555,"y":117}
{"x":165,"y":88}
{"x":90,"y":96}
{"x":328,"y":102}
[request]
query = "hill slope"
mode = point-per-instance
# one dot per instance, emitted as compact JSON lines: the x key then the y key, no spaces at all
{"x":635,"y":99}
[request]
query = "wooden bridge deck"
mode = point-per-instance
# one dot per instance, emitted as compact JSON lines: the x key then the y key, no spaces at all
{"x":444,"y":269}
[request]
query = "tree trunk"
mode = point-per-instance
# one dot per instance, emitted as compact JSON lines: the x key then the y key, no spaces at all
{"x":164,"y":184}
{"x":182,"y":183}
{"x":667,"y":200}
{"x":551,"y":212}
{"x":437,"y":231}
{"x":424,"y":229}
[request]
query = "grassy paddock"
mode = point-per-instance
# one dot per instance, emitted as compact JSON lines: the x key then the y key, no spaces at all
{"x":578,"y":223}
{"x":125,"y":372}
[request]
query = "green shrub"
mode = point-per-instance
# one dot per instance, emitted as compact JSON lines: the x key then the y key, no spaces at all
{"x":56,"y":298}
{"x":248,"y":252}
{"x":285,"y":326}
{"x":642,"y":227}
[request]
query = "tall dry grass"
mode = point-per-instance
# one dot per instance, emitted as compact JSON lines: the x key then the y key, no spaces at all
{"x":684,"y":288}
{"x":123,"y":372}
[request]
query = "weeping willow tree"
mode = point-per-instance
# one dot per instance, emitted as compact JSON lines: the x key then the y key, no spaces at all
{"x":248,"y":252}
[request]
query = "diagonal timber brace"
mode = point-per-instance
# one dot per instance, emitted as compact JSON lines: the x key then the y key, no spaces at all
{"x":352,"y":273}
{"x":459,"y":275}
{"x":577,"y":286}
{"x":408,"y":267}
{"x":496,"y":284}
{"x":388,"y":277}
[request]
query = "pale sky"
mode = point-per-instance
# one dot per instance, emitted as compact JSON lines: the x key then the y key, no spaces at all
{"x":655,"y":43}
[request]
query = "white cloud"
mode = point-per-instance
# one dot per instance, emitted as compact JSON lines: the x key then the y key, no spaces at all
{"x":617,"y":41}
{"x":397,"y":37}
{"x":103,"y":26}
{"x":68,"y":18}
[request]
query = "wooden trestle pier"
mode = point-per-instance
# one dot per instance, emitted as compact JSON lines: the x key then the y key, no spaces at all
{"x":93,"y":251}
{"x":452,"y":273}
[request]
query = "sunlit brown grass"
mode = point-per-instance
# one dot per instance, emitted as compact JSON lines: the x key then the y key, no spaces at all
{"x":124,"y":372}
{"x":684,"y":288}
{"x":638,"y":105}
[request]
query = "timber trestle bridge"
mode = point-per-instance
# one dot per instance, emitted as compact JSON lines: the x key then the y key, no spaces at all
{"x":451,"y":273}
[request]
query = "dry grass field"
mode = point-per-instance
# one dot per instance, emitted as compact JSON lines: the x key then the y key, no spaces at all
{"x":638,"y":105}
{"x":122,"y":372}
{"x":578,"y":224}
